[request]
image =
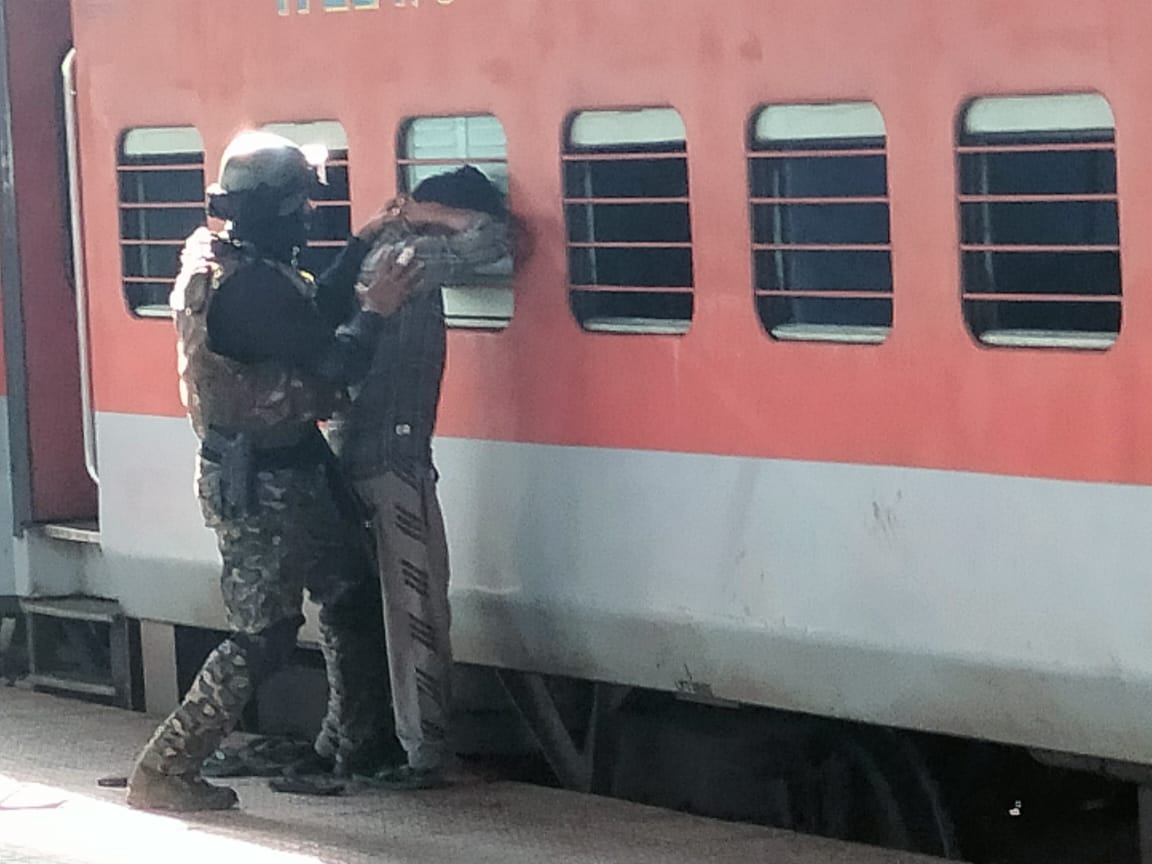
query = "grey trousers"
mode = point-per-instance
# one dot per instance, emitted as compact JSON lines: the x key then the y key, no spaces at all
{"x":412,"y":554}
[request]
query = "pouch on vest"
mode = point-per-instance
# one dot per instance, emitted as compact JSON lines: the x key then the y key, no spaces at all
{"x":234,"y":456}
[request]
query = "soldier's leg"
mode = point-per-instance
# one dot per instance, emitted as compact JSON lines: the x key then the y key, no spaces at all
{"x":262,"y":592}
{"x":355,"y":659}
{"x":412,"y":558}
{"x":167,"y":773}
{"x":341,"y":578}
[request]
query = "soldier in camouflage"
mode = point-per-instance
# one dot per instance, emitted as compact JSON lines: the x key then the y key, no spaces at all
{"x":260,"y":363}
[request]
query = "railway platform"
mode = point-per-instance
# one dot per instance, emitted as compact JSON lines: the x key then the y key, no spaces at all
{"x":52,"y":750}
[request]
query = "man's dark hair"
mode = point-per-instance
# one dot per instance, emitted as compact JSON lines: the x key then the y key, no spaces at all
{"x":466,"y":188}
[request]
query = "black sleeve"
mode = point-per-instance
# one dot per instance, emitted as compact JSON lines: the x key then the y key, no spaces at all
{"x":356,"y":347}
{"x":336,"y":286}
{"x":258,"y":314}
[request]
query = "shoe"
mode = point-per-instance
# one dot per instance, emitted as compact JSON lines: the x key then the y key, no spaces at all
{"x":314,"y":784}
{"x":340,"y":766}
{"x":148,"y":789}
{"x":367,"y":761}
{"x":312,"y":775}
{"x":309,"y":765}
{"x":405,"y":778}
{"x":259,"y":757}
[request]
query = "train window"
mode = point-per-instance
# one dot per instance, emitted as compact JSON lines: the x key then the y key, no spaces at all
{"x":822,"y":258}
{"x":332,"y":221}
{"x":433,"y":145}
{"x":629,"y":229}
{"x":1040,"y":237}
{"x":161,"y":188}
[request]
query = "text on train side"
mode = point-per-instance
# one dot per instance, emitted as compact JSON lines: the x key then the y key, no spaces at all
{"x":303,"y":7}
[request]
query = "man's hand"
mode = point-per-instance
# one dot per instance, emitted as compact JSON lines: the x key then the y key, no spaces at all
{"x":394,"y":278}
{"x":197,"y":248}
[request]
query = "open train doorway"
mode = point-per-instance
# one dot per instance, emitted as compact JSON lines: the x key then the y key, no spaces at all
{"x":68,"y":638}
{"x":47,"y":418}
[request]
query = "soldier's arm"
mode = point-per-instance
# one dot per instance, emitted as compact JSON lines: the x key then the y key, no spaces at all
{"x":335,"y":287}
{"x":393,"y":277}
{"x":258,"y":315}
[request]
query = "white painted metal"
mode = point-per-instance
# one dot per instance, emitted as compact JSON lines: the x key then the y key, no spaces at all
{"x":995,"y":607}
{"x":817,"y":121}
{"x":638,"y":126}
{"x":163,"y":141}
{"x":1057,"y":112}
{"x":87,"y":531}
{"x":49,"y":567}
{"x":32,"y":565}
{"x":158,"y":659}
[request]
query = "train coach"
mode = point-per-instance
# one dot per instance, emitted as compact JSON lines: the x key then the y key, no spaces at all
{"x":812,"y":432}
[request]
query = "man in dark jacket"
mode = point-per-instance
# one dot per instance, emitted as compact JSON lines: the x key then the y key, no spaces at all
{"x":453,"y":224}
{"x":260,"y":364}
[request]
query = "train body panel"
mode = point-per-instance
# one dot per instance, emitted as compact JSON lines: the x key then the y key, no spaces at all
{"x":928,"y":533}
{"x":924,"y":599}
{"x":39,"y":299}
{"x":927,"y":397}
{"x":40,"y":438}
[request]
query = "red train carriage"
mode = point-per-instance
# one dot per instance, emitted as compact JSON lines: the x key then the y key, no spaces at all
{"x":822,"y":390}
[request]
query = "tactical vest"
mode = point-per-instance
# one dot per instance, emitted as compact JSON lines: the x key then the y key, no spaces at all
{"x":270,"y":403}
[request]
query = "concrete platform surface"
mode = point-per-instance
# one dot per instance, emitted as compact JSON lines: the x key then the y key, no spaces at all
{"x":51,"y":812}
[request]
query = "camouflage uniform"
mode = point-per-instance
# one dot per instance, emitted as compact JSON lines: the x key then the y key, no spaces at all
{"x":267,"y":489}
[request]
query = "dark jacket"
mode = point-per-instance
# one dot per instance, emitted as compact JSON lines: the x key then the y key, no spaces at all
{"x":392,"y":415}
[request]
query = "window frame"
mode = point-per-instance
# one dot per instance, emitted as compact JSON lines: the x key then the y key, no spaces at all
{"x":1047,"y":136}
{"x":488,"y":304}
{"x":805,"y":144}
{"x":615,"y":151}
{"x":139,"y":208}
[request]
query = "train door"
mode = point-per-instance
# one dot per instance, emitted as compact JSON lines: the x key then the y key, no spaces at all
{"x":46,"y":416}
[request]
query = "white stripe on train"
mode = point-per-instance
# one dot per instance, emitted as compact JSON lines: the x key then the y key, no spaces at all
{"x":986,"y":606}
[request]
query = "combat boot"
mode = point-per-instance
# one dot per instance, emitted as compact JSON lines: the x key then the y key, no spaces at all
{"x":148,"y":789}
{"x":167,"y":774}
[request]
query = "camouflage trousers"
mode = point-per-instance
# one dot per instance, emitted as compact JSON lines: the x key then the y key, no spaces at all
{"x":294,"y":538}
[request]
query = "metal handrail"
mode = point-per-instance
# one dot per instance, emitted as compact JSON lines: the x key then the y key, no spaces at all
{"x":87,"y":414}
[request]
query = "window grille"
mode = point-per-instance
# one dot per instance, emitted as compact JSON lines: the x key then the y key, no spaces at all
{"x":161,"y":189}
{"x":1040,"y":238}
{"x":822,"y":259}
{"x":434,"y":145}
{"x":628,"y":222}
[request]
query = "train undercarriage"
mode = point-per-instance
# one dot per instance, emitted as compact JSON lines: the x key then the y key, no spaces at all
{"x":939,"y":795}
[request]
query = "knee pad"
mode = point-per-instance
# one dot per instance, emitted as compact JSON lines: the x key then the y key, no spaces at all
{"x":267,"y":650}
